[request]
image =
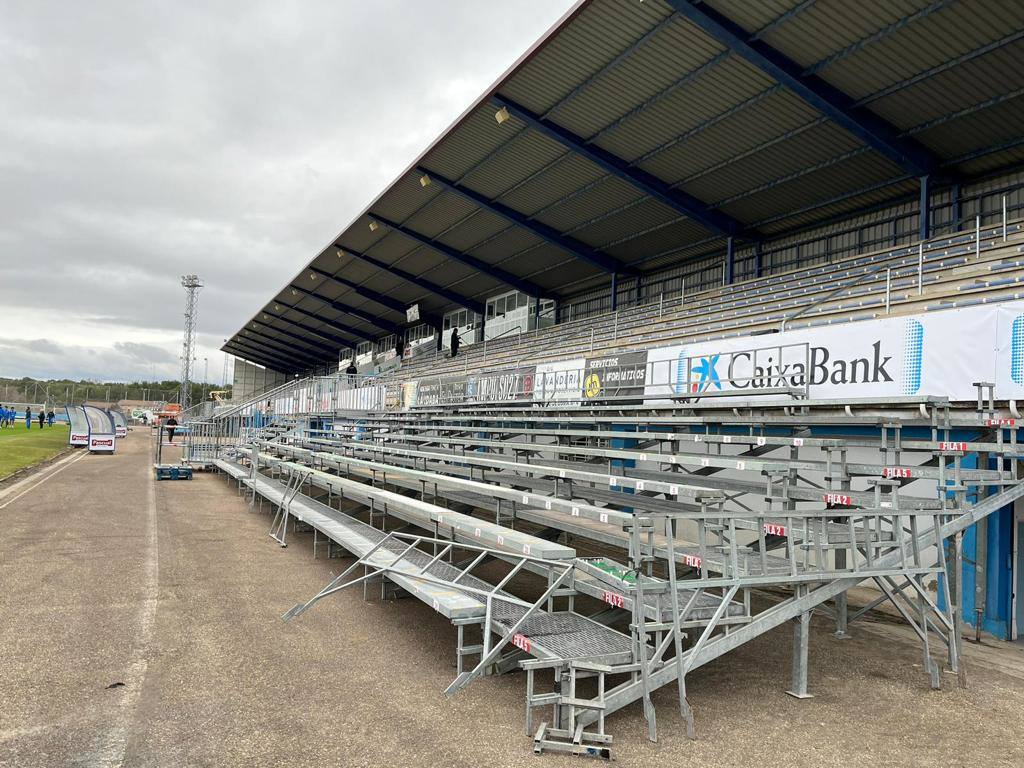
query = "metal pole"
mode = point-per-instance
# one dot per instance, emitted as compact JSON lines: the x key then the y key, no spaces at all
{"x":977,"y":236}
{"x":591,"y":341}
{"x":920,"y":268}
{"x":1004,"y":218}
{"x":682,"y":291}
{"x":924,"y":210}
{"x":730,"y":260}
{"x":888,"y":287}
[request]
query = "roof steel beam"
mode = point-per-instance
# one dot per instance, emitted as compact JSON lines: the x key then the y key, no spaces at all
{"x":255,"y":354}
{"x":649,"y":184}
{"x":329,"y":337}
{"x":456,"y":298}
{"x":373,"y":295}
{"x":827,"y":99}
{"x":344,"y":329}
{"x":520,"y":284}
{"x":262,"y":354}
{"x":568,"y":243}
{"x":316,"y":352}
{"x":369,"y":293}
{"x":316,"y":347}
{"x":380,"y":322}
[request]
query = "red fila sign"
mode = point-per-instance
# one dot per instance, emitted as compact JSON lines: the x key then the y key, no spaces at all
{"x":952,"y":446}
{"x":1000,"y":422}
{"x":613,"y":599}
{"x":837,"y":500}
{"x":522,"y":642}
{"x":896,"y":472}
{"x":692,"y":560}
{"x":771,"y":529}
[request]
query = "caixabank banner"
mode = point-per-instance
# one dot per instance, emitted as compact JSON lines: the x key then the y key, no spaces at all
{"x":936,"y":353}
{"x":939,"y":353}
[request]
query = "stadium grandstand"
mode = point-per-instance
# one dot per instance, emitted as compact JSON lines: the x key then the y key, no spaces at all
{"x":738,"y":288}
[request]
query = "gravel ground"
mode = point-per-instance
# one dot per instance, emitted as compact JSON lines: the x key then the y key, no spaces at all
{"x":174,"y":590}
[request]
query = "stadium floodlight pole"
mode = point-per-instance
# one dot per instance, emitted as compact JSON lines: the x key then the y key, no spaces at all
{"x":192,"y":285}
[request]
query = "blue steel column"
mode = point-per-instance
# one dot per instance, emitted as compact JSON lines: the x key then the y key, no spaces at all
{"x":615,"y":291}
{"x":957,"y":212}
{"x":924,"y":211}
{"x":757,"y":259}
{"x":730,"y":255}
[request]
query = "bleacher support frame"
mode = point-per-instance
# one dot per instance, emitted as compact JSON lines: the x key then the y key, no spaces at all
{"x":665,"y":513}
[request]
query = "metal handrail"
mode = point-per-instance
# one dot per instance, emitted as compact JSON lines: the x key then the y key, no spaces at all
{"x":517,"y":329}
{"x":861,"y":278}
{"x":997,"y":232}
{"x":269,"y":393}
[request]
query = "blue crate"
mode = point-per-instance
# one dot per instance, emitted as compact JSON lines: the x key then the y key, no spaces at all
{"x":173,"y":473}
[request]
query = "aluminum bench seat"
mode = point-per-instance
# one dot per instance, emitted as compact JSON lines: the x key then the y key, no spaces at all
{"x":360,"y":539}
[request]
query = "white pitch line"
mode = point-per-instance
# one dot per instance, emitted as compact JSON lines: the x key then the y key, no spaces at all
{"x":112,"y":754}
{"x":67,"y":463}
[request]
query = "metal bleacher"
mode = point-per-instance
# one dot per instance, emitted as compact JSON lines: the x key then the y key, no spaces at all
{"x":611,"y":548}
{"x":956,"y":270}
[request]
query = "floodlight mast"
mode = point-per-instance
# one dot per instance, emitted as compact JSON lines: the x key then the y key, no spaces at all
{"x":192,"y":285}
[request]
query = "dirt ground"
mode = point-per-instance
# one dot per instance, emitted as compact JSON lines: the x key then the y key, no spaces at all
{"x":141,"y":628}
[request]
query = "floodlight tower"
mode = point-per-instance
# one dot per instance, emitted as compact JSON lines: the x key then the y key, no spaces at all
{"x":192,"y":285}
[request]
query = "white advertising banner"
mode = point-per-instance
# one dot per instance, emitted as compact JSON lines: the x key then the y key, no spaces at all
{"x":938,"y":353}
{"x":561,"y":381}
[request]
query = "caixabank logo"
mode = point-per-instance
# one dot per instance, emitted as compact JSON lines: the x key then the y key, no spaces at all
{"x":821,"y":364}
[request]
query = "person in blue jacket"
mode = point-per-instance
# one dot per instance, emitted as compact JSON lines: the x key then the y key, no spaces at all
{"x":28,"y":418}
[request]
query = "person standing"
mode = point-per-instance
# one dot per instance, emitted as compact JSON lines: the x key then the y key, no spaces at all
{"x":42,"y":417}
{"x":172,"y":423}
{"x":28,"y":417}
{"x":50,"y":417}
{"x":455,"y":341}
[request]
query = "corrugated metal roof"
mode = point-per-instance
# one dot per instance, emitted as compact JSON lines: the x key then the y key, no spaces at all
{"x":650,"y":92}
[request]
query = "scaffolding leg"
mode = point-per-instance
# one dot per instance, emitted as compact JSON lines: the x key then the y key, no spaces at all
{"x":954,"y":597}
{"x":842,"y":610}
{"x":929,"y":663}
{"x":801,"y":641}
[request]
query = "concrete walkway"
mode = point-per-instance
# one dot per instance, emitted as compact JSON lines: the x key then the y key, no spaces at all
{"x":171,"y":593}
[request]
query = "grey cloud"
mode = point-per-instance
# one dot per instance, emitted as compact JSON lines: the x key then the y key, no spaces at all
{"x":144,"y":353}
{"x":140,"y":141}
{"x":47,"y":359}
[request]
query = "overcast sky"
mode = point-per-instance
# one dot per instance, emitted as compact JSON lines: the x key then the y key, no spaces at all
{"x":140,"y":141}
